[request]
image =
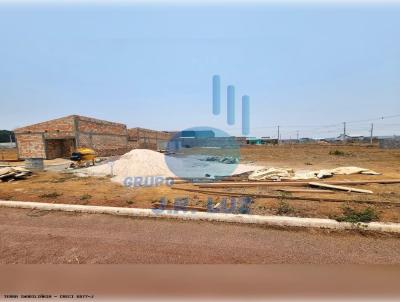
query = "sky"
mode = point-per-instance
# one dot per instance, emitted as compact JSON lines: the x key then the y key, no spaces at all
{"x":305,"y":67}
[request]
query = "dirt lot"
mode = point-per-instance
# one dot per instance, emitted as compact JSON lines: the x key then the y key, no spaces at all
{"x":57,"y":187}
{"x":35,"y":237}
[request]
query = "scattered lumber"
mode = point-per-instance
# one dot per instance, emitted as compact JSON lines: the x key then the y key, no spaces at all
{"x":295,"y":190}
{"x":251,"y":184}
{"x":255,"y":195}
{"x":293,"y":183}
{"x":217,"y":205}
{"x":340,"y":188}
{"x":13,"y":173}
{"x":181,"y":181}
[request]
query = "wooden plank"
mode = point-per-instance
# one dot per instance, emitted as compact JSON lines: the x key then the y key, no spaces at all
{"x":323,"y":199}
{"x":294,"y":190}
{"x":340,"y":188}
{"x":217,"y":205}
{"x":292,"y":183}
{"x":250,"y":184}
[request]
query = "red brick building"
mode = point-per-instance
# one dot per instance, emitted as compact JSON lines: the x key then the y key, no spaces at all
{"x":59,"y":137}
{"x":148,"y":139}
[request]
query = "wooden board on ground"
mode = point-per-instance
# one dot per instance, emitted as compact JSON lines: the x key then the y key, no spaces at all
{"x":340,"y":188}
{"x":292,"y":183}
{"x":255,"y":195}
{"x":300,"y":190}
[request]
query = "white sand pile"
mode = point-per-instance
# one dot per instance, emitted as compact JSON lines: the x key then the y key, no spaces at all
{"x":138,"y":162}
{"x":143,"y":162}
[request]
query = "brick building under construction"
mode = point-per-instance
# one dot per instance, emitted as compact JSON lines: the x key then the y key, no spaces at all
{"x":60,"y":137}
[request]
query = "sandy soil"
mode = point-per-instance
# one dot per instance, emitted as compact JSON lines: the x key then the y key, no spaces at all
{"x":36,"y":237}
{"x":55,"y":187}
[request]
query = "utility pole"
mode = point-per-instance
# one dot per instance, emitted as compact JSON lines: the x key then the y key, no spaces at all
{"x":372,"y":133}
{"x":344,"y":131}
{"x":297,"y":134}
{"x":279,"y":136}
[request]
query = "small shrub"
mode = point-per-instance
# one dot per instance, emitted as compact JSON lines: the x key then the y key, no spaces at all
{"x":129,"y":202}
{"x":337,"y":153}
{"x":63,"y":178}
{"x":354,"y":216}
{"x":85,"y":197}
{"x":50,"y":195}
{"x":284,"y":194}
{"x":284,"y":208}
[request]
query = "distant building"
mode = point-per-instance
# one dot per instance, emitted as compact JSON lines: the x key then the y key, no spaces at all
{"x":253,"y":141}
{"x":60,"y":137}
{"x":306,"y":140}
{"x":390,"y":142}
{"x":197,"y":134}
{"x":266,"y":140}
{"x":353,"y":138}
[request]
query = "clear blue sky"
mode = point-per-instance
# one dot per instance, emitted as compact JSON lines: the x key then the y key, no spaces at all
{"x":151,"y":66}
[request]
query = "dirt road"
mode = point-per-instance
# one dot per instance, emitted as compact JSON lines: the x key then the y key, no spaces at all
{"x":56,"y":237}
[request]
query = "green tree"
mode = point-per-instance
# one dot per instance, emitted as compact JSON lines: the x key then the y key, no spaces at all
{"x":5,"y":136}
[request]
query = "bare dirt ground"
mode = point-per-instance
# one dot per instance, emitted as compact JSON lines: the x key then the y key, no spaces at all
{"x":56,"y":237}
{"x":55,"y":187}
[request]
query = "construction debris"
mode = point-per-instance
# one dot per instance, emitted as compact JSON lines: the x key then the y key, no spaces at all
{"x":294,"y":190}
{"x":13,"y":173}
{"x":272,"y":174}
{"x":279,"y":174}
{"x":224,"y":160}
{"x":292,"y":183}
{"x":256,"y":195}
{"x":341,"y":188}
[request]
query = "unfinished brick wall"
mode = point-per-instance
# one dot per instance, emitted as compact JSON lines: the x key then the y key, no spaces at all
{"x":148,"y":139}
{"x":31,"y":140}
{"x":104,"y":145}
{"x":64,"y":124}
{"x":92,"y":125}
{"x":106,"y":138}
{"x":132,"y":145}
{"x":137,"y":133}
{"x":59,"y":148}
{"x":30,"y":145}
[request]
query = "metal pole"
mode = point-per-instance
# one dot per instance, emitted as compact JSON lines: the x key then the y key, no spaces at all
{"x":278,"y":135}
{"x":344,"y":131}
{"x":372,"y":133}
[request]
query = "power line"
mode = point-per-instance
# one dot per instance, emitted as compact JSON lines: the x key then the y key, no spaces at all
{"x":376,"y":119}
{"x":325,"y":125}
